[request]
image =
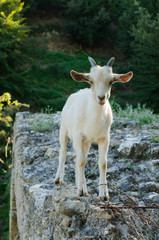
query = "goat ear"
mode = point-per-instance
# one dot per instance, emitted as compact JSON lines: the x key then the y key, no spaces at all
{"x":123,"y":78}
{"x":79,"y":77}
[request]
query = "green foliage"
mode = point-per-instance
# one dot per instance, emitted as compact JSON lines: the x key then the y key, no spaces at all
{"x":152,"y":6}
{"x":130,"y":25}
{"x":31,"y":5}
{"x":34,"y":5}
{"x":141,"y":114}
{"x":131,"y":167}
{"x":92,"y":171}
{"x":145,"y":59}
{"x":155,"y":139}
{"x":89,"y":21}
{"x":8,"y":108}
{"x":50,"y":80}
{"x":4,"y":205}
{"x":12,"y":32}
{"x":123,"y":15}
{"x":115,"y":105}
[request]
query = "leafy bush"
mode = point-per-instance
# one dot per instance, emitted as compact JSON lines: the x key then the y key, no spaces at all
{"x":123,"y":15}
{"x":152,"y":6}
{"x":12,"y":32}
{"x":89,"y":21}
{"x":145,"y":59}
{"x":8,"y":109}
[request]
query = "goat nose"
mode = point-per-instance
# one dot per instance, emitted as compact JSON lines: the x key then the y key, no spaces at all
{"x":101,"y":98}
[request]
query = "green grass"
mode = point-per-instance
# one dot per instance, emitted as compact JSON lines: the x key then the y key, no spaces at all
{"x":42,"y":123}
{"x":155,"y":139}
{"x":139,"y":114}
{"x":91,"y":172}
{"x":51,"y":80}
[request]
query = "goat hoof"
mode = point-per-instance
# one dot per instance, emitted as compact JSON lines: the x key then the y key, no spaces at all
{"x":82,"y":193}
{"x":85,"y":194}
{"x":104,"y":198}
{"x":57,"y":181}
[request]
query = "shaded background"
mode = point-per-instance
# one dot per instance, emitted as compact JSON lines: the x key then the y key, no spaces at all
{"x":38,"y":52}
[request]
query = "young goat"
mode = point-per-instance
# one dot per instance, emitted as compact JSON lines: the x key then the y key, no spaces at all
{"x":86,"y":118}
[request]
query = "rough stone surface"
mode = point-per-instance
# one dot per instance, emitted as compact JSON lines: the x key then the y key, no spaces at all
{"x":42,"y":211}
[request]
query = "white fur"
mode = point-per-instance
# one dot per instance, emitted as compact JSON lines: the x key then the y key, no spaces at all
{"x":86,"y":119}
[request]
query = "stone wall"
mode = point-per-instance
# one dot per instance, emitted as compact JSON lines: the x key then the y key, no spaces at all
{"x":41,"y":210}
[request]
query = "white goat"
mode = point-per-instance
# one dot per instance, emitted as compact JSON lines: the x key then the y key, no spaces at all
{"x":86,"y":118}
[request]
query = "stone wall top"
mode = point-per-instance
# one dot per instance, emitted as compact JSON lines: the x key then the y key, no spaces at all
{"x":41,"y":210}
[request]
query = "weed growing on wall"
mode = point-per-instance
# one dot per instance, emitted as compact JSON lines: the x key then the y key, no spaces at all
{"x":42,"y":123}
{"x":140,"y":113}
